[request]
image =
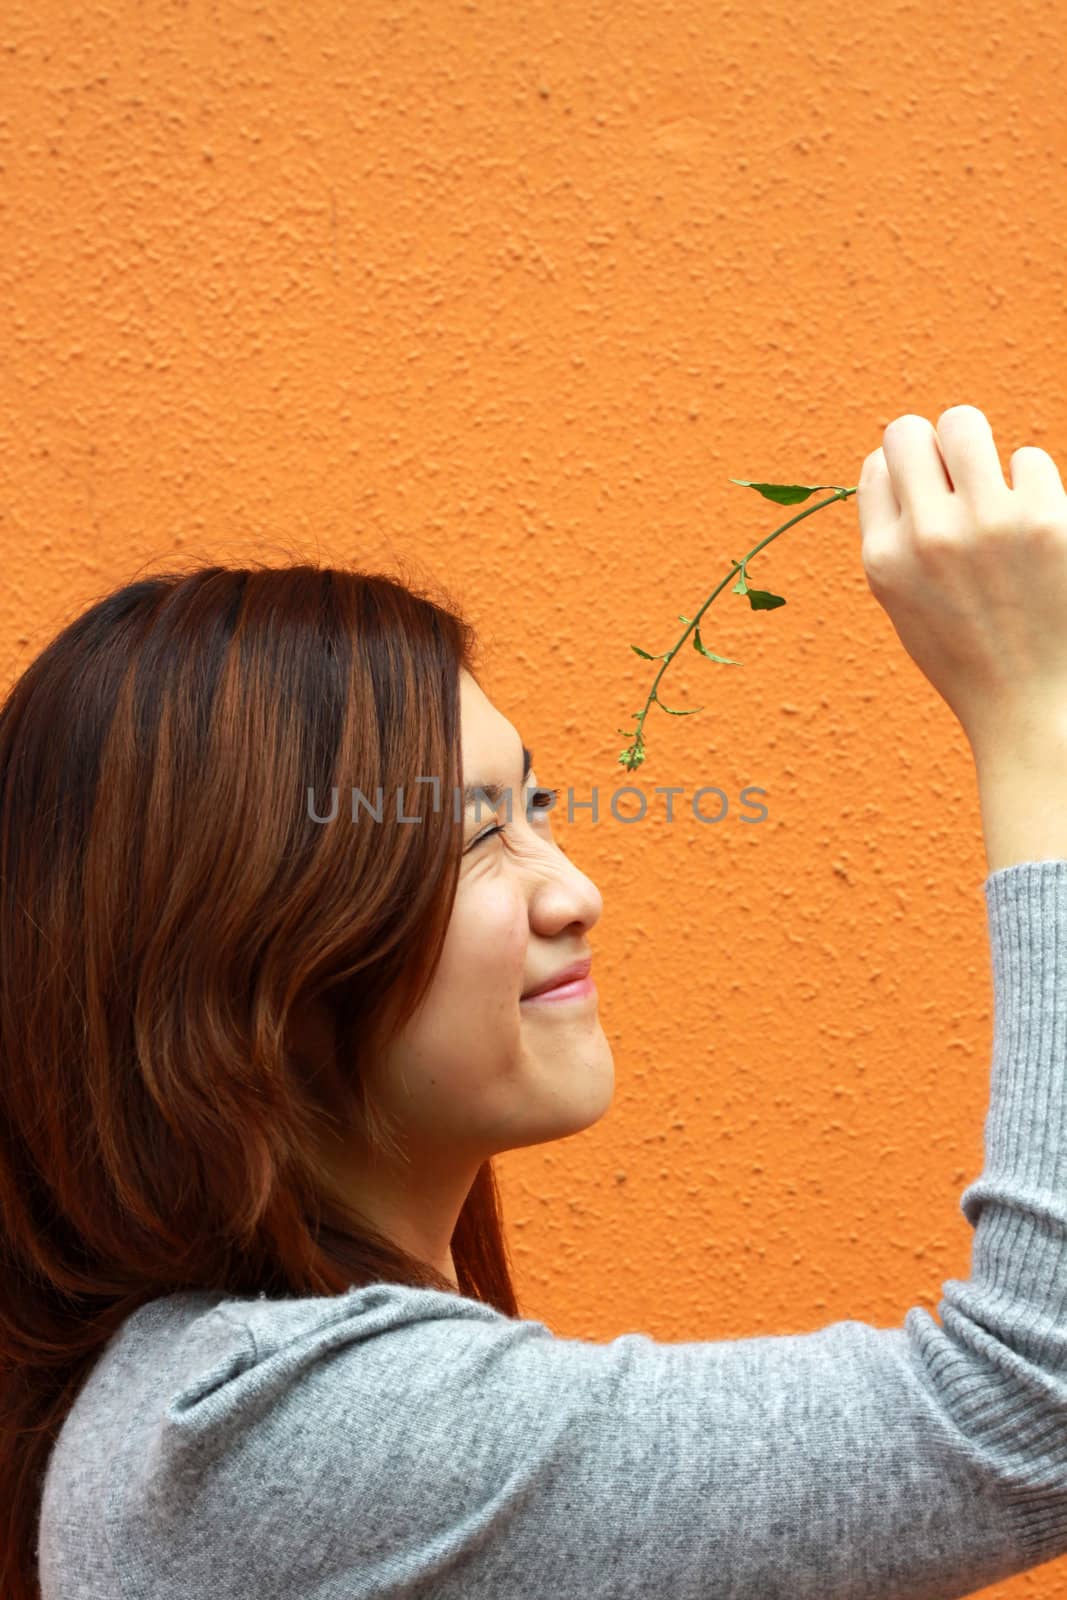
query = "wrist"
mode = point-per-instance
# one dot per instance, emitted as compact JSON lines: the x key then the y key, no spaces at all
{"x":1023,"y":796}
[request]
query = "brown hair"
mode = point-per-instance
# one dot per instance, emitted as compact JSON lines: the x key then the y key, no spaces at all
{"x":167,"y":903}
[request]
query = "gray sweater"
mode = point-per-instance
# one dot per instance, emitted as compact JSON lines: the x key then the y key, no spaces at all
{"x":393,"y":1441}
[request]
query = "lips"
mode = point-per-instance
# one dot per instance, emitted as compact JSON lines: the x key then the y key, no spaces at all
{"x":571,"y":974}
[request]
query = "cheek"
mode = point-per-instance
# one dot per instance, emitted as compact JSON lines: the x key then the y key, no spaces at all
{"x":493,"y":930}
{"x":471,"y":1028}
{"x":483,"y":964}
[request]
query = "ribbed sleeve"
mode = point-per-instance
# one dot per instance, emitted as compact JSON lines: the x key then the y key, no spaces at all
{"x":1000,"y":1363}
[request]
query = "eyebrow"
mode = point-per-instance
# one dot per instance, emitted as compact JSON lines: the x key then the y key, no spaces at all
{"x":494,"y":792}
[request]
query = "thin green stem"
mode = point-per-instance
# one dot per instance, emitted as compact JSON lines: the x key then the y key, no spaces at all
{"x":636,"y":750}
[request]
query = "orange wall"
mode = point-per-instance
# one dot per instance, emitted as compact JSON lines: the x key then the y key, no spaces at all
{"x":514,"y":292}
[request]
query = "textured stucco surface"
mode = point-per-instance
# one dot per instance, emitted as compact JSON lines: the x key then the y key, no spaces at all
{"x":513,"y":293}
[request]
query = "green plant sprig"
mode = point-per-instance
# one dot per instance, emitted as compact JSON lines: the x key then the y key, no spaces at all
{"x":785,"y":494}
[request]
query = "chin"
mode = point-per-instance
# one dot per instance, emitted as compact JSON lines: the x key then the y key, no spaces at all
{"x":579,"y":1099}
{"x":594,"y":1087}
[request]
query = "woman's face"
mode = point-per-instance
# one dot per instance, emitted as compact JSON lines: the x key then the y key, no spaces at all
{"x":478,"y":1069}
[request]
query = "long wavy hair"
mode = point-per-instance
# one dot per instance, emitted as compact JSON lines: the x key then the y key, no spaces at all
{"x":168,"y":906}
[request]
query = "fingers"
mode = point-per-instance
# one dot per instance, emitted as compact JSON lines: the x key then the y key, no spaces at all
{"x":969,"y":450}
{"x":933,"y":473}
{"x":879,"y":515}
{"x":921,"y":481}
{"x":875,"y":496}
{"x":1034,"y":471}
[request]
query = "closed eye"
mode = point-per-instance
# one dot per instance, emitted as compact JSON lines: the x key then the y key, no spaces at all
{"x":540,"y":799}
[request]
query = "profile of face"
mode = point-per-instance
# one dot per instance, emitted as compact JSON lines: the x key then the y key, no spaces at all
{"x":478,"y":1068}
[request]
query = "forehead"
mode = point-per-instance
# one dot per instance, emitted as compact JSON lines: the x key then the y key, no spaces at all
{"x":488,"y":739}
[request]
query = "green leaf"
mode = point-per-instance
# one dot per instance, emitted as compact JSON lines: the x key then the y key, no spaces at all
{"x":644,"y":654}
{"x":704,"y":651}
{"x":684,"y":619}
{"x":671,"y":713}
{"x":783,"y":494}
{"x":758,"y":599}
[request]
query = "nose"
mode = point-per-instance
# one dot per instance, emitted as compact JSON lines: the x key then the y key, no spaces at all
{"x":564,"y":896}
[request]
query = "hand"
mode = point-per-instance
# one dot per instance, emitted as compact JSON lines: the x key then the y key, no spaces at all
{"x":972,"y":574}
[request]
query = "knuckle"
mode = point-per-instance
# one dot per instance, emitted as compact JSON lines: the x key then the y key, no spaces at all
{"x":997,"y":523}
{"x":1047,"y":532}
{"x":877,"y":580}
{"x":1034,"y":534}
{"x":879,"y":566}
{"x":936,"y":538}
{"x":1021,"y":521}
{"x":998,"y":532}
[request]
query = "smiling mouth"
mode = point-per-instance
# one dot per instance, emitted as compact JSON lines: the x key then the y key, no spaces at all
{"x":576,"y":989}
{"x":571,"y":973}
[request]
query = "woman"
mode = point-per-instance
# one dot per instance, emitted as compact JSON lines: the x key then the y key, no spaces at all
{"x":258,"y":1331}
